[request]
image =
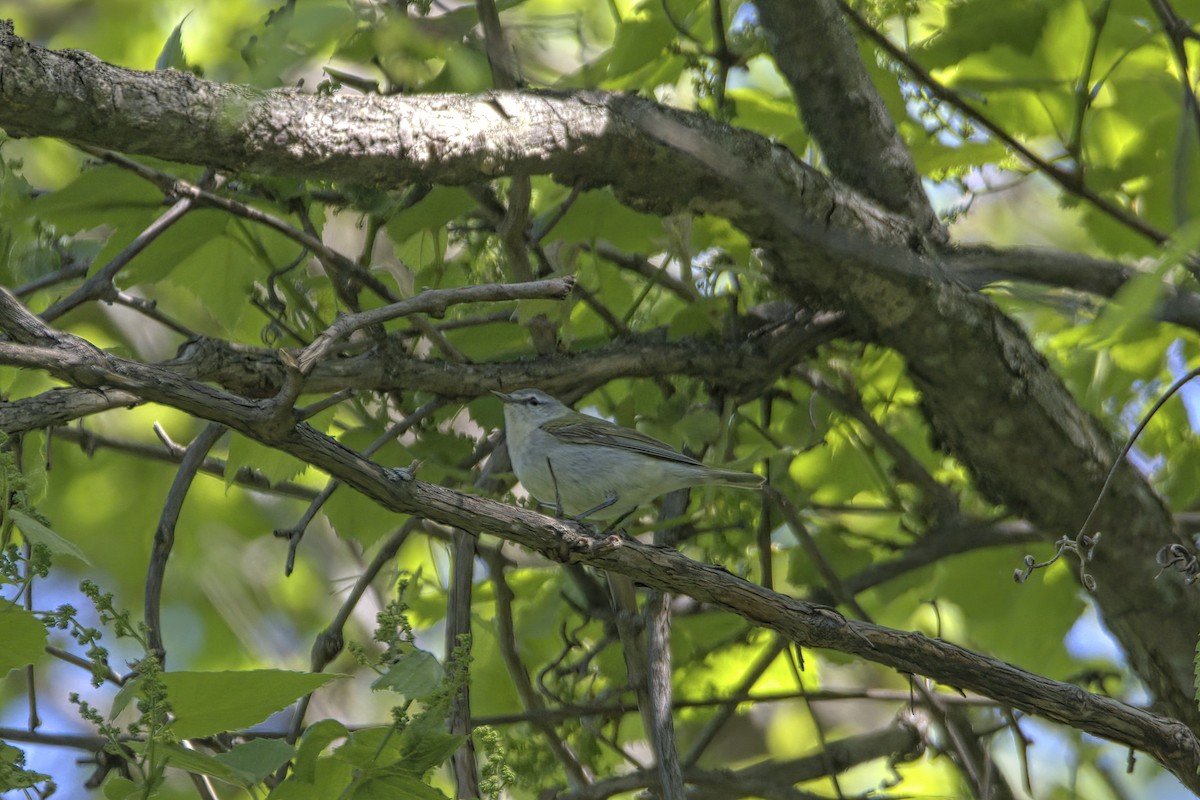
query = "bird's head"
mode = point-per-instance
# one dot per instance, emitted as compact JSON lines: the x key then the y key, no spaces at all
{"x":531,"y":408}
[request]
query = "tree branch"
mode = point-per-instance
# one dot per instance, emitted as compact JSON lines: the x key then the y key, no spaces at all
{"x":979,"y":266}
{"x":164,"y":534}
{"x":434,"y":302}
{"x":842,"y":109}
{"x":258,"y":372}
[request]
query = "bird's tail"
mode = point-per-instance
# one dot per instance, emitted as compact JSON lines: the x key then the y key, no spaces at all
{"x":741,"y":480}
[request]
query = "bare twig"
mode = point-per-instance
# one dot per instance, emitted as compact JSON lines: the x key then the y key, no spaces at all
{"x":1085,"y":528}
{"x":164,"y":534}
{"x":295,"y":533}
{"x":431,"y":301}
{"x":726,"y":711}
{"x":1069,"y":181}
{"x":100,"y":285}
{"x":197,"y":194}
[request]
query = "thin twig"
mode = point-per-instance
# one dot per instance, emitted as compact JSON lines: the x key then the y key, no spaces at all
{"x":295,"y":533}
{"x":577,"y":773}
{"x":431,"y":301}
{"x":1068,"y":181}
{"x":100,"y":285}
{"x":177,"y":186}
{"x":164,"y":534}
{"x":1120,"y":459}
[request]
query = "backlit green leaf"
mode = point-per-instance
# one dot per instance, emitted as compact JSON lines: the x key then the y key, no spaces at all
{"x":213,"y":702}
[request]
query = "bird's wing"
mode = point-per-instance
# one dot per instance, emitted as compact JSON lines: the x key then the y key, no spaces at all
{"x":609,"y":435}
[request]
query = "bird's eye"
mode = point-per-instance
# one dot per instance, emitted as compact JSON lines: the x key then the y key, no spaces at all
{"x":533,"y":401}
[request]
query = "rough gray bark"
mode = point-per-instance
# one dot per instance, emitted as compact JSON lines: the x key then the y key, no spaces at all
{"x":842,"y":109}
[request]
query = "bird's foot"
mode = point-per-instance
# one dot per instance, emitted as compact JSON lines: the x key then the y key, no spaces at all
{"x":574,"y":545}
{"x":402,"y":474}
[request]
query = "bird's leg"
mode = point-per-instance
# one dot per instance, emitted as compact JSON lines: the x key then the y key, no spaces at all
{"x":612,"y":526}
{"x":558,"y":509}
{"x":609,"y":500}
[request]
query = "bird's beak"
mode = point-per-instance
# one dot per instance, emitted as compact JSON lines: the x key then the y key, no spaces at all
{"x":505,"y":397}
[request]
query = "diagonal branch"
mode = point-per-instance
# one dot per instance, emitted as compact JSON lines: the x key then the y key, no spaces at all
{"x":164,"y":534}
{"x":842,"y":109}
{"x":430,"y":301}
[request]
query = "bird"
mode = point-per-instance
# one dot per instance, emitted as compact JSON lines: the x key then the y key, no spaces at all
{"x":589,"y":468}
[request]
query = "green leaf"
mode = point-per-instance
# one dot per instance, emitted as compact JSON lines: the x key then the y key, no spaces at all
{"x":345,"y":510}
{"x":125,"y":695}
{"x":258,"y":758}
{"x":331,"y":779}
{"x":119,"y":788}
{"x":38,"y":533}
{"x":979,"y":581}
{"x":245,"y":765}
{"x":497,"y":341}
{"x":180,"y":757}
{"x":105,"y":195}
{"x":220,"y":275}
{"x":697,"y":319}
{"x":394,"y":782}
{"x":639,"y":42}
{"x":414,"y":675}
{"x":34,"y":445}
{"x":441,"y":205}
{"x":1135,"y":303}
{"x":312,"y":743}
{"x":976,"y":26}
{"x":779,"y":119}
{"x":369,"y":747}
{"x":700,"y":428}
{"x":599,"y":215}
{"x":213,"y":702}
{"x":12,"y":768}
{"x":423,"y":248}
{"x":938,"y":160}
{"x":182,"y":239}
{"x":551,"y":309}
{"x":423,"y":750}
{"x":172,"y":56}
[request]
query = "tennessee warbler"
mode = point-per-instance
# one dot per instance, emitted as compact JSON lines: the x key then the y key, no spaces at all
{"x":589,"y":467}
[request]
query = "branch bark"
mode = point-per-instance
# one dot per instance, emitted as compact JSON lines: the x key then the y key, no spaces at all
{"x":842,"y":109}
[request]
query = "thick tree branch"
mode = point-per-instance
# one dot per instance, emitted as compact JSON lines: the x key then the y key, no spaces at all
{"x":842,"y":109}
{"x":587,"y":138}
{"x":1029,"y":444}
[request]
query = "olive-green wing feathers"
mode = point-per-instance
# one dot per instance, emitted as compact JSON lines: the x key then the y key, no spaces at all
{"x":601,"y":432}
